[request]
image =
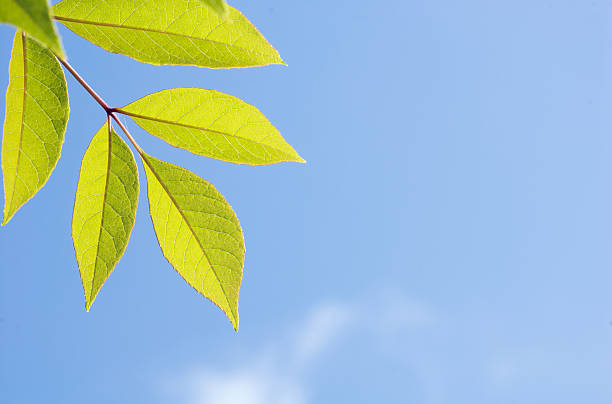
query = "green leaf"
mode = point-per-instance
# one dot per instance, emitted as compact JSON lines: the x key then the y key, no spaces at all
{"x":104,"y":209}
{"x":198,"y":232}
{"x":32,"y":16}
{"x":219,"y":6}
{"x":35,"y":123}
{"x":175,"y":32}
{"x":213,"y":124}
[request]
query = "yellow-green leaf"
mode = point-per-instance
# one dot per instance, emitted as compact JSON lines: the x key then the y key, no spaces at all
{"x":35,"y":122}
{"x":104,"y":209}
{"x":213,"y":124}
{"x":32,"y":16}
{"x":197,"y":231}
{"x":219,"y":6}
{"x":175,"y":32}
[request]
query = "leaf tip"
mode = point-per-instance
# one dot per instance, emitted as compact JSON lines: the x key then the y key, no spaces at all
{"x":278,"y":60}
{"x":89,"y":300}
{"x":295,"y":157}
{"x":276,"y":57}
{"x":231,"y":313}
{"x":8,"y":215}
{"x":57,"y":49}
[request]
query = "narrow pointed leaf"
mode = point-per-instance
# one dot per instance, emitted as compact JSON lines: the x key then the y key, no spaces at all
{"x":104,"y":209}
{"x":35,"y":122}
{"x":32,"y":16}
{"x":213,"y":124}
{"x":175,"y":32}
{"x":198,"y":232}
{"x":219,"y":6}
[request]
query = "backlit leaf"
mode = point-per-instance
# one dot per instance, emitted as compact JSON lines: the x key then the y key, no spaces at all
{"x":35,"y":122}
{"x":198,"y":232}
{"x":176,"y":32}
{"x":213,"y":124}
{"x":104,"y":209}
{"x":32,"y":16}
{"x":219,"y":6}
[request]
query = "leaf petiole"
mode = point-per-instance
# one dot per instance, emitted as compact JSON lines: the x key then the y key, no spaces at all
{"x":110,"y":112}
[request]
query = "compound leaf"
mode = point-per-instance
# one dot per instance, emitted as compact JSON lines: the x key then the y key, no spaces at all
{"x":32,"y":16}
{"x":219,"y":6}
{"x":197,"y":231}
{"x":213,"y":124}
{"x":174,"y":32}
{"x":104,"y":209}
{"x":35,"y":123}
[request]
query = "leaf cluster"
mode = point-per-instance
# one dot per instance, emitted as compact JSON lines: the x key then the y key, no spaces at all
{"x":196,"y":228}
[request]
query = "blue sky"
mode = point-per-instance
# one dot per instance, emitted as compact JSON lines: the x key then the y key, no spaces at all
{"x":449,"y":240}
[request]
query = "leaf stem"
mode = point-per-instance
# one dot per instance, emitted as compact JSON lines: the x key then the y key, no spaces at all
{"x":127,"y":133}
{"x":83,"y":83}
{"x":110,"y":112}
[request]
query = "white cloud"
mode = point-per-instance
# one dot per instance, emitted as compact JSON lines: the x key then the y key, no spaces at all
{"x":277,"y":375}
{"x":324,"y":324}
{"x":243,"y":386}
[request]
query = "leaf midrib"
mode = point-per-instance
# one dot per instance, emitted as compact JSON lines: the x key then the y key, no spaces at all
{"x":146,"y":160}
{"x":149,"y":118}
{"x":23,"y":112}
{"x":108,"y":166}
{"x":110,"y":25}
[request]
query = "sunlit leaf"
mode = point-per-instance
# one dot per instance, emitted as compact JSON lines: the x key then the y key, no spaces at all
{"x":104,"y":209}
{"x":32,"y":16}
{"x":183,"y":32}
{"x":219,"y":6}
{"x":35,"y":122}
{"x":198,"y":232}
{"x":213,"y":124}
